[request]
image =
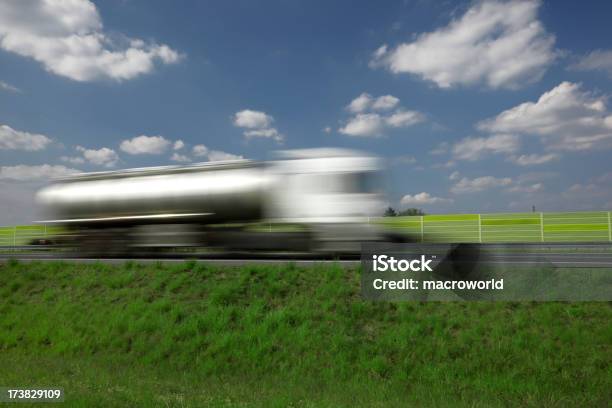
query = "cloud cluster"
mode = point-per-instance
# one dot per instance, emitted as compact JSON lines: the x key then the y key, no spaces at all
{"x":102,"y":157}
{"x":158,"y":144}
{"x":180,"y":158}
{"x":368,"y":123}
{"x":526,"y":189}
{"x":144,"y":144}
{"x":67,"y":38}
{"x":11,"y":139}
{"x":24,"y":172}
{"x":473,"y":148}
{"x":218,"y":155}
{"x":499,"y":43}
{"x":598,"y":60}
{"x":423,"y":199}
{"x":565,"y":118}
{"x":534,"y":159}
{"x":203,"y":152}
{"x":199,"y":150}
{"x":467,"y":185}
{"x":365,"y":101}
{"x":214,"y":155}
{"x":257,"y":125}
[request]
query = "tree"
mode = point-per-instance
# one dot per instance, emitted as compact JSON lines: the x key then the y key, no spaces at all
{"x":411,"y":211}
{"x":390,"y":212}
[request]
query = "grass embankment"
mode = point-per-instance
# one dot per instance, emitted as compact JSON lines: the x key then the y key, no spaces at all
{"x":190,"y":335}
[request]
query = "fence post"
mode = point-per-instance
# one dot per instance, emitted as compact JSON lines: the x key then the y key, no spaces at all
{"x":609,"y":228}
{"x":14,"y":236}
{"x":542,"y":227}
{"x":479,"y":229}
{"x":422,"y":230}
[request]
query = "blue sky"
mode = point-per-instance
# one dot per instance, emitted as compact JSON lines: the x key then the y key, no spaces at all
{"x":477,"y":106}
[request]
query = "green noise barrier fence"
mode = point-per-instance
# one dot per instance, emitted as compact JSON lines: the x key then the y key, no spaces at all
{"x":592,"y":226}
{"x":24,"y":234}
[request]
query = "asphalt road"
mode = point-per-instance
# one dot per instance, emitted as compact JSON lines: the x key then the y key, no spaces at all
{"x":556,"y":259}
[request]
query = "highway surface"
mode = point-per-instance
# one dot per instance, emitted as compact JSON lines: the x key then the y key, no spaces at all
{"x":556,"y":255}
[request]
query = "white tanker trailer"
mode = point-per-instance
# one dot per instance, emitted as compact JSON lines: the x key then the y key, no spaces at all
{"x":322,"y":197}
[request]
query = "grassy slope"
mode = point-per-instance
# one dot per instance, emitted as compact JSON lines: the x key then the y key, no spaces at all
{"x":188,"y":335}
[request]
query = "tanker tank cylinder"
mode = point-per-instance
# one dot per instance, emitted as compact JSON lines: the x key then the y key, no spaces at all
{"x":203,"y":194}
{"x":327,"y":193}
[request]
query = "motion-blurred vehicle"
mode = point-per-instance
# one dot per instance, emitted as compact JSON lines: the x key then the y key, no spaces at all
{"x":313,"y":200}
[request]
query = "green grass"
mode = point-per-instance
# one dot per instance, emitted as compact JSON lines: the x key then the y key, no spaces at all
{"x":193,"y":334}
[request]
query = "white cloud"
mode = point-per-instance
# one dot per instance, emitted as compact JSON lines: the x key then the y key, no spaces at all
{"x":473,"y":148}
{"x":360,"y":103}
{"x":11,"y":139}
{"x":500,"y":43}
{"x":566,"y":118}
{"x":466,"y":185}
{"x":67,"y":38}
{"x":214,"y":155}
{"x":24,"y":172}
{"x":327,"y":129}
{"x":200,"y":150}
{"x":181,"y":158}
{"x":178,"y":145}
{"x":252,"y":119}
{"x":379,"y":53}
{"x":403,"y":118}
{"x":385,"y":102}
{"x":102,"y":157}
{"x":454,"y":175}
{"x":423,"y":198}
{"x":598,"y":60}
{"x":72,"y":159}
{"x":145,"y":145}
{"x":534,"y":159}
{"x":364,"y":124}
{"x":259,"y":125}
{"x":526,"y":189}
{"x":365,"y":101}
{"x":264,"y":133}
{"x":8,"y":87}
{"x":217,"y":155}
